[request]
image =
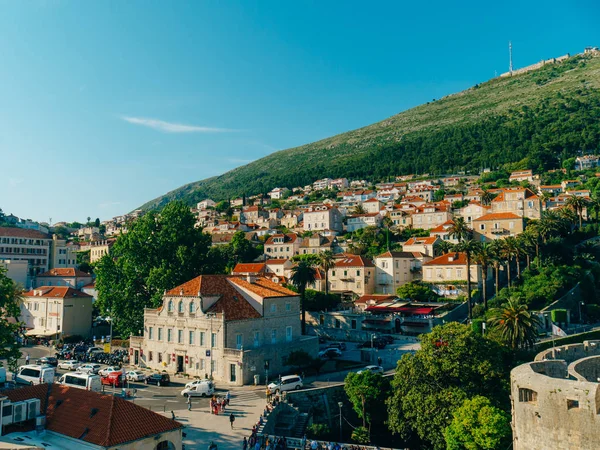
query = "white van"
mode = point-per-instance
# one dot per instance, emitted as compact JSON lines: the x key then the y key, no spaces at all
{"x":35,"y":374}
{"x":87,"y":381}
{"x":205,"y":388}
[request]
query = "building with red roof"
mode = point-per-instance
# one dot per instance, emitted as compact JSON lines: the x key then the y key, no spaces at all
{"x":352,"y":275}
{"x":447,"y":274}
{"x":498,"y":226}
{"x":70,"y":276}
{"x":426,"y":245}
{"x":282,"y":245}
{"x":221,"y":326}
{"x":520,"y":201}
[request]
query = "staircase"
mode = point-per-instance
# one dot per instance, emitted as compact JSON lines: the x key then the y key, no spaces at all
{"x":300,"y":425}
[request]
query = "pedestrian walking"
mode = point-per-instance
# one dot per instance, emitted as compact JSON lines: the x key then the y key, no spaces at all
{"x":268,"y":394}
{"x":303,"y":442}
{"x":227,"y":397}
{"x":172,"y":415}
{"x":189,"y":402}
{"x":245,"y":444}
{"x":27,"y":358}
{"x":231,"y":420}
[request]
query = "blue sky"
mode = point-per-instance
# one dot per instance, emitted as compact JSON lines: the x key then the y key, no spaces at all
{"x":105,"y":105}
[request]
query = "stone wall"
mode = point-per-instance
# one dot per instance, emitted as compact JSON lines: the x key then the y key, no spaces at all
{"x":570,"y":352}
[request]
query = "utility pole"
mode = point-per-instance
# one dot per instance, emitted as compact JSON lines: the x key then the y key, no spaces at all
{"x":510,"y":64}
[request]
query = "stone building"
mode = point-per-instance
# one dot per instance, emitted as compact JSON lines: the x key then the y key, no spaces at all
{"x":223,"y":326}
{"x":71,"y":277}
{"x":556,"y":399}
{"x":26,"y":245}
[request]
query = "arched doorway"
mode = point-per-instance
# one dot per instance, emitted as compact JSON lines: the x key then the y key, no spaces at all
{"x":165,"y":445}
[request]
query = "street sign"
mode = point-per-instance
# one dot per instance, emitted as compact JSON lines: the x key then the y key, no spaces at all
{"x":106,"y":348}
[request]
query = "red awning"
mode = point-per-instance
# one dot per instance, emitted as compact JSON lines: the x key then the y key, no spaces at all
{"x":403,"y":309}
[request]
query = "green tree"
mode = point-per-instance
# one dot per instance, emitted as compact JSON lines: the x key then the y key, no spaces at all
{"x":517,"y":326}
{"x":469,"y":248}
{"x":478,"y":425}
{"x":453,"y":364}
{"x":460,"y":230}
{"x":577,"y":204}
{"x":10,"y":298}
{"x":359,"y":209}
{"x":303,"y":275}
{"x":159,"y":252}
{"x":97,"y":222}
{"x":417,"y":292}
{"x":326,"y":262}
{"x":367,"y":391}
{"x":483,"y":257}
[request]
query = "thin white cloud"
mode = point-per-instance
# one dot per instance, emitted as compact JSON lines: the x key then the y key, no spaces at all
{"x":170,"y":127}
{"x":108,"y":204}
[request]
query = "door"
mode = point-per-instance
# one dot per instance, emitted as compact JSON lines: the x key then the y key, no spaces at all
{"x":180,"y":363}
{"x":232,"y":376}
{"x":136,"y":357}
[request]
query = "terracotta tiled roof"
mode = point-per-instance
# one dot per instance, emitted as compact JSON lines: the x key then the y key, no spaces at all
{"x":91,"y":285}
{"x":67,"y":272}
{"x":288,"y":238}
{"x":443,"y":228}
{"x":56,"y":292}
{"x":390,"y":254}
{"x":497,"y":216}
{"x":458,"y":259}
{"x":103,"y":420}
{"x":276,"y":262}
{"x":421,"y":240}
{"x":242,"y":268}
{"x":263,"y":287}
{"x":22,"y":233}
{"x":348,"y":260}
{"x":376,"y":298}
{"x":371,"y":200}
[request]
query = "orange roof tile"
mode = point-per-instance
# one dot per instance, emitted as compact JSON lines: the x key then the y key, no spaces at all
{"x":242,"y":268}
{"x":421,"y":240}
{"x":459,"y":259}
{"x":348,"y":260}
{"x":66,"y":272}
{"x":263,"y":287}
{"x":56,"y":292}
{"x":103,"y":420}
{"x":377,"y":298}
{"x":497,"y":216}
{"x":22,"y":233}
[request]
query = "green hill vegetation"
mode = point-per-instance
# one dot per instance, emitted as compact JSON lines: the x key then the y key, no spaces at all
{"x":533,"y":120}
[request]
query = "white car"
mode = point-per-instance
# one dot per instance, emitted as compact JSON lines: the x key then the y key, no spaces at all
{"x":71,"y":364}
{"x":206,"y":388}
{"x":191,"y":384}
{"x":89,"y":368}
{"x":110,"y":369}
{"x":136,"y":375}
{"x":374,"y":369}
{"x":288,"y":383}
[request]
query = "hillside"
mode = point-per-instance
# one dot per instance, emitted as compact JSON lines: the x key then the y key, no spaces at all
{"x":533,"y":119}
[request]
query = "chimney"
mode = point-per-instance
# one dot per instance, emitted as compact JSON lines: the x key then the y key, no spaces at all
{"x":451,"y":258}
{"x":251,"y":278}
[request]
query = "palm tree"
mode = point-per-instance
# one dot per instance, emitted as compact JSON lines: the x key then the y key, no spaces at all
{"x":460,"y":230}
{"x":545,"y":197}
{"x":508,"y":251}
{"x":577,"y":204}
{"x":303,"y":275}
{"x":469,"y":248}
{"x":444,"y":247}
{"x":359,"y":209}
{"x":388,"y":223}
{"x":484,"y":258}
{"x":495,"y":249}
{"x":549,"y":225}
{"x":327,"y":262}
{"x":517,"y":326}
{"x":486,"y":197}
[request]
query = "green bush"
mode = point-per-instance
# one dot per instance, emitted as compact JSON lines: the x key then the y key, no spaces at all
{"x":559,"y":315}
{"x":317,"y":431}
{"x":360,"y":435}
{"x":477,"y":325}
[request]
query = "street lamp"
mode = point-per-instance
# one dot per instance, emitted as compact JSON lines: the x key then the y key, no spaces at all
{"x":340,"y":404}
{"x":580,"y":314}
{"x":546,"y":315}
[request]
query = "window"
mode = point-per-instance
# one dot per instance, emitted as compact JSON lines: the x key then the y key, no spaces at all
{"x":170,"y":306}
{"x":257,"y":338}
{"x":213,"y":366}
{"x":180,"y":336}
{"x":321,"y":319}
{"x":192,"y":308}
{"x":180,"y":307}
{"x":273,"y":336}
{"x":459,"y":273}
{"x":288,"y":334}
{"x":333,"y":273}
{"x":239,"y":341}
{"x":160,"y":334}
{"x":273,"y":308}
{"x":202,"y":338}
{"x":213,"y":340}
{"x":288,"y":306}
{"x":338,"y":323}
{"x":571,"y":404}
{"x":358,"y":273}
{"x":511,"y":225}
{"x":482,"y":226}
{"x":527,"y":396}
{"x":191,"y":337}
{"x":159,"y":357}
{"x":201,"y":364}
{"x":151,"y":333}
{"x":150,"y":355}
{"x":353,"y":324}
{"x":169,"y":334}
{"x":448,"y":274}
{"x":345,"y":273}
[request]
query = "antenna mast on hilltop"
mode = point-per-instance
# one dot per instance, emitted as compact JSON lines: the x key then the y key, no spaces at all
{"x":510,"y":66}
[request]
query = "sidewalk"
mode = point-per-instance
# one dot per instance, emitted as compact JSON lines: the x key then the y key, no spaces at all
{"x":201,"y":426}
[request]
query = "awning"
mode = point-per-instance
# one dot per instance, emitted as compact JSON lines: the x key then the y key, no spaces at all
{"x":43,"y":333}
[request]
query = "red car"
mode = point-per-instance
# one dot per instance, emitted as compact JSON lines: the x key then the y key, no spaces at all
{"x":115,"y":379}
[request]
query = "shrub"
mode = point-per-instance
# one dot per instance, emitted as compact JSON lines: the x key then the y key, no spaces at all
{"x":360,"y":435}
{"x":317,"y":431}
{"x":559,"y":315}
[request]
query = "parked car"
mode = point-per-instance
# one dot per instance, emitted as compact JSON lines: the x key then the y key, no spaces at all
{"x":34,"y":374}
{"x":86,"y":381}
{"x":338,"y":345}
{"x":377,"y":343}
{"x":288,"y":383}
{"x":107,"y":370}
{"x":205,"y":388}
{"x":51,"y":360}
{"x":135,"y":375}
{"x":330,"y":353}
{"x":159,"y":379}
{"x":89,"y":368}
{"x":195,"y":383}
{"x":374,"y":369}
{"x":71,"y":364}
{"x":115,"y":379}
{"x":387,"y":339}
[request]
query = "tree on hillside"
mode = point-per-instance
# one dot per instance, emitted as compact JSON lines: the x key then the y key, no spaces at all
{"x":359,"y":209}
{"x":303,"y":275}
{"x":577,"y":204}
{"x":469,"y":248}
{"x":460,"y":230}
{"x":367,"y":391}
{"x":517,"y":326}
{"x":453,"y":364}
{"x":495,"y":249}
{"x":326,"y":262}
{"x":10,"y":298}
{"x":483,"y":256}
{"x":417,"y":292}
{"x":159,"y":252}
{"x":478,"y":425}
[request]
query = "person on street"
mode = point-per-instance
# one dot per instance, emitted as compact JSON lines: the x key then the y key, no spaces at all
{"x":27,"y":358}
{"x":189,"y":402}
{"x":303,"y":447}
{"x":268,"y":394}
{"x":231,"y":420}
{"x":172,"y":415}
{"x":227,"y":398}
{"x":245,"y":443}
